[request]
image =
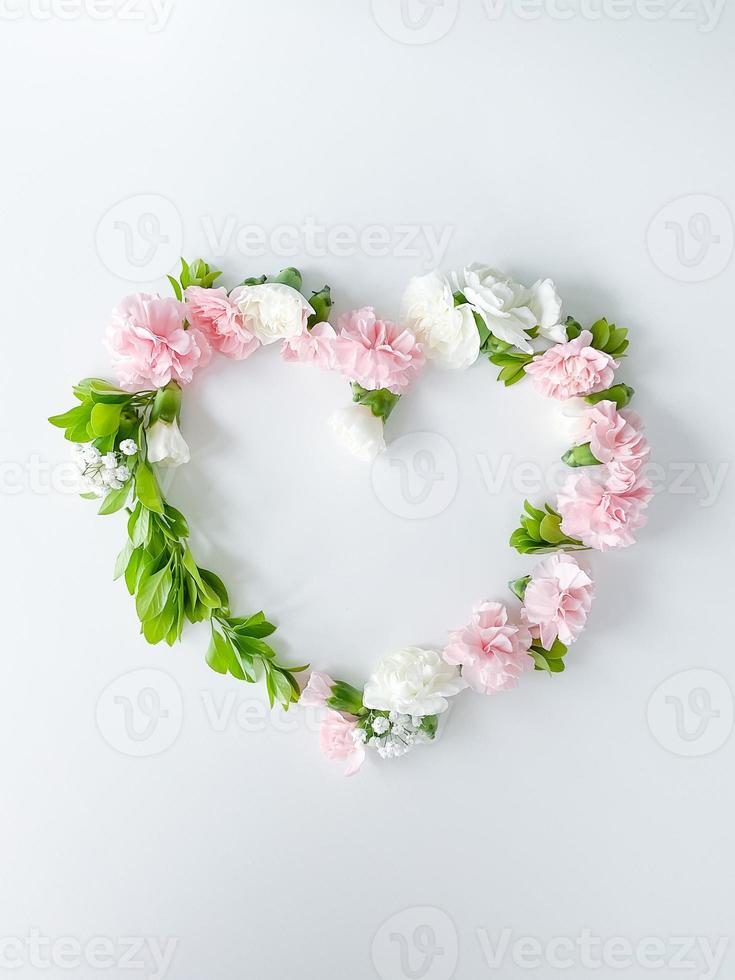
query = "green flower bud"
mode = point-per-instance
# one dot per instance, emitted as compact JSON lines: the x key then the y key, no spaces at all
{"x":621,"y":394}
{"x":167,"y":403}
{"x":289,"y":277}
{"x":580,"y":456}
{"x":321,"y":303}
{"x":380,"y":402}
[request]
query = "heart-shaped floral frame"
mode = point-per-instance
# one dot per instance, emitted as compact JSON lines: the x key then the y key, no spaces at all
{"x":120,"y":434}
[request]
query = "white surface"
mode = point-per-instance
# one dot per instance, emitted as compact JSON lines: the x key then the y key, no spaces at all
{"x":545,"y":146}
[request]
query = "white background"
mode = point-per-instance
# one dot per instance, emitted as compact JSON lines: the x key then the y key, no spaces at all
{"x":545,"y":144}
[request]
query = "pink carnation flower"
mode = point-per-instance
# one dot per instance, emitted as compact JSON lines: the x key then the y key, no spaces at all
{"x":315,"y":346}
{"x":337,"y":742}
{"x":574,"y":368}
{"x":492,"y":652}
{"x":213,"y":312}
{"x":612,"y":436}
{"x":557,"y":600}
{"x":149,"y":344}
{"x":317,"y":690}
{"x":377,"y":353}
{"x":604,"y":514}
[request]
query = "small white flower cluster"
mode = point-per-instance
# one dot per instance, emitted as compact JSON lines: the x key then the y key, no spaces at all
{"x":392,"y":736}
{"x":102,"y":472}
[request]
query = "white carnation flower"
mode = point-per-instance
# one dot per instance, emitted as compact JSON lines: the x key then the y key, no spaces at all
{"x":413,"y":682}
{"x":359,"y":431}
{"x":272,"y":310}
{"x":447,"y":333}
{"x":128,"y":447}
{"x":510,"y":309}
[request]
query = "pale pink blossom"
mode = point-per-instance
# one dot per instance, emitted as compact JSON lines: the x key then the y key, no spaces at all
{"x":213,"y":312}
{"x":149,"y":344}
{"x":377,"y":353}
{"x":604,"y":513}
{"x":557,"y":600}
{"x":315,"y":346}
{"x":574,"y":368}
{"x":317,"y":690}
{"x":612,"y":435}
{"x":492,"y":652}
{"x":337,"y":741}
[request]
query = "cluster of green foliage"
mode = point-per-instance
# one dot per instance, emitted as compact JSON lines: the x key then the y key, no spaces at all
{"x":156,"y":562}
{"x":540,"y":532}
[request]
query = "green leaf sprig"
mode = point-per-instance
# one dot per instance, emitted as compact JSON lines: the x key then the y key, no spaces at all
{"x":540,"y":533}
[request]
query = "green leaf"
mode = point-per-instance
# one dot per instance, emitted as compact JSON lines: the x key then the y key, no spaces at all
{"x":551,"y":529}
{"x":153,"y":594}
{"x":103,"y":391}
{"x":540,"y":661}
{"x":208,"y":596}
{"x":105,"y":419}
{"x":175,"y":524}
{"x":123,"y":560}
{"x":185,"y":275}
{"x":219,"y":654}
{"x":146,"y":488}
{"x":176,"y":288}
{"x":518,"y":586}
{"x":116,"y":499}
{"x":256,"y":625}
{"x":135,"y":567}
{"x":600,"y":334}
{"x":574,"y":328}
{"x":79,"y":415}
{"x":282,"y":688}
